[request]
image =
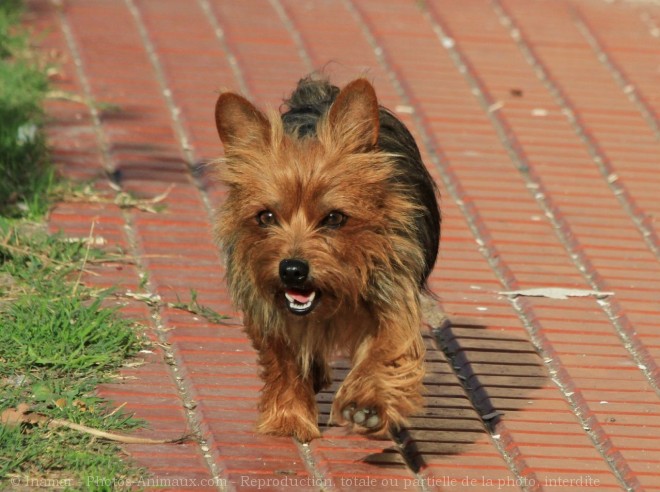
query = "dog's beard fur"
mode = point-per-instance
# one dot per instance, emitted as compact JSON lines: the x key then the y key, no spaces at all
{"x":366,"y":272}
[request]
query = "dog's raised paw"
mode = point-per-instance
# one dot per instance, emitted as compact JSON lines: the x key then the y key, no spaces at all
{"x":366,"y":417}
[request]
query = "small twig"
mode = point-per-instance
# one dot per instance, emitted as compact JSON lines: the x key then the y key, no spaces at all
{"x":82,"y":268}
{"x":122,"y":199}
{"x":23,"y":415}
{"x":67,"y":96}
{"x":112,"y":258}
{"x":115,"y":410}
{"x":112,"y":436}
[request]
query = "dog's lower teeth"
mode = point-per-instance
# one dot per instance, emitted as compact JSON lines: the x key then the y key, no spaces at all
{"x":296,"y":305}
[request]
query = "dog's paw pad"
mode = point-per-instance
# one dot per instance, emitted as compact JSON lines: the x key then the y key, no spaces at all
{"x":364,"y":417}
{"x":372,"y":422}
{"x":348,"y":412}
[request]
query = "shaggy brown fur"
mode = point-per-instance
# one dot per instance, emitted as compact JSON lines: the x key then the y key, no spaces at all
{"x":330,"y":229}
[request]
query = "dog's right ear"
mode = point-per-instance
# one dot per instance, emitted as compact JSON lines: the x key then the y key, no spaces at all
{"x":238,"y":121}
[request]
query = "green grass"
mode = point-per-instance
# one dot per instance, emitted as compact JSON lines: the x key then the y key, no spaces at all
{"x":26,"y":171}
{"x":57,"y":344}
{"x":194,"y":307}
{"x":58,"y":338}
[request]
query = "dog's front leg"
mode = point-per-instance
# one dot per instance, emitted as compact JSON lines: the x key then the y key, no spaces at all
{"x":287,"y":406}
{"x":384,"y":387}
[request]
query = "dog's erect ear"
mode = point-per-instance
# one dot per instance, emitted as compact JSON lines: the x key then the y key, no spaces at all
{"x":238,"y":120}
{"x":353,"y":116}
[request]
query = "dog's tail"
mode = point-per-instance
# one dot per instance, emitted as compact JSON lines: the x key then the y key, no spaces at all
{"x":309,"y":101}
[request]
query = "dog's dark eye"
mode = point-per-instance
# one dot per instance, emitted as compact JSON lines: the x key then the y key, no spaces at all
{"x":266,"y":218}
{"x":334,"y":220}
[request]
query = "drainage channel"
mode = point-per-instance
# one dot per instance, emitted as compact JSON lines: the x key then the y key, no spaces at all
{"x":506,"y":445}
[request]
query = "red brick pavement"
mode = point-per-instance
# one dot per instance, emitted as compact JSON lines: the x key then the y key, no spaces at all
{"x":538,"y":120}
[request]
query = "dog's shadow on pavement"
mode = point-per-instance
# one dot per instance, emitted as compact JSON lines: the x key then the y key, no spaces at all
{"x":476,"y":378}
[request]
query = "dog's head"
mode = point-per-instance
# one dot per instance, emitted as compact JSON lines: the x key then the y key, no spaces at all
{"x":315,"y":224}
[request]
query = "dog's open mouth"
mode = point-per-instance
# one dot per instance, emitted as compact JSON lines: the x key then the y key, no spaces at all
{"x":301,"y":301}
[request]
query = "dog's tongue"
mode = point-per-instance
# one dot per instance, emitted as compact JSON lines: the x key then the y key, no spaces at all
{"x":299,"y":296}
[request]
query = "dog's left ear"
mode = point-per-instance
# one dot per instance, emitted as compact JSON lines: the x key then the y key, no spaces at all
{"x":353,"y":117}
{"x":237,"y":120}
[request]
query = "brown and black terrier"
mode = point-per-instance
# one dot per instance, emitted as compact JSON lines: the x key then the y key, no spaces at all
{"x":330,"y":229}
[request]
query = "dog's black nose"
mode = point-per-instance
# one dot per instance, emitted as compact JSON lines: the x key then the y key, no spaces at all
{"x":293,"y":272}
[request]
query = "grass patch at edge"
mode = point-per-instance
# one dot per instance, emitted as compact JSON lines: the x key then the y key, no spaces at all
{"x":27,"y":174}
{"x":58,"y":339}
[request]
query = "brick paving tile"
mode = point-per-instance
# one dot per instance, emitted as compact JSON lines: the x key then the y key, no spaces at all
{"x":538,"y":120}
